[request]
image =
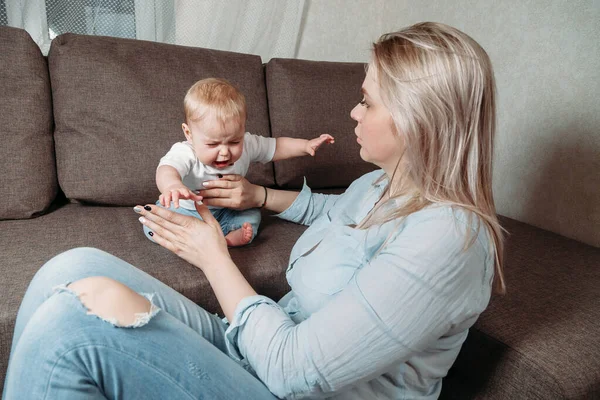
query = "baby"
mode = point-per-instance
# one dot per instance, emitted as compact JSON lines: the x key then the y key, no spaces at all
{"x":217,"y":144}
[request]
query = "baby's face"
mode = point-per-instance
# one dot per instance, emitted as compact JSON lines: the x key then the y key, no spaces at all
{"x":216,"y":144}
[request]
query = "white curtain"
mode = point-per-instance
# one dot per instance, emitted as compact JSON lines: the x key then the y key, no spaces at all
{"x":155,"y":20}
{"x":31,"y":16}
{"x":269,"y":28}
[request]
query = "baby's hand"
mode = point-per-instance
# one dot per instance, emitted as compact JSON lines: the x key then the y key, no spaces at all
{"x":313,"y":144}
{"x":174,"y":193}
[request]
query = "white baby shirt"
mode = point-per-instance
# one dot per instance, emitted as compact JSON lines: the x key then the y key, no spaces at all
{"x":193,"y":173}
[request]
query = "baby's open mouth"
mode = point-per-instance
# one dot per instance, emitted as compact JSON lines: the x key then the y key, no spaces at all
{"x":221,"y":164}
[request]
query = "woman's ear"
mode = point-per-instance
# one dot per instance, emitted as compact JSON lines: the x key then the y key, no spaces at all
{"x":187,"y":132}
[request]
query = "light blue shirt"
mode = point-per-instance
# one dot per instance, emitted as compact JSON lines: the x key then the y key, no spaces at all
{"x":364,"y":321}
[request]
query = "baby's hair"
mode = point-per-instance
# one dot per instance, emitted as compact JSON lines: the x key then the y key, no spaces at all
{"x":214,"y":95}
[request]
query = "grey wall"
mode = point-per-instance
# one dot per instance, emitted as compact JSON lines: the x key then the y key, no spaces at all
{"x":546,"y":56}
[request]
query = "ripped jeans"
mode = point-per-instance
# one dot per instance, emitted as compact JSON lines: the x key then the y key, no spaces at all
{"x":63,"y":350}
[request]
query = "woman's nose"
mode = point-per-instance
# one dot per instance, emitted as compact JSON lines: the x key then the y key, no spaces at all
{"x":354,"y":114}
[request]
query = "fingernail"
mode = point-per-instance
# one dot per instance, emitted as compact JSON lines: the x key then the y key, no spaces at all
{"x":205,"y":183}
{"x":151,"y":233}
{"x":220,"y":175}
{"x":142,"y":219}
{"x":147,"y":208}
{"x":137,"y":209}
{"x":199,"y":203}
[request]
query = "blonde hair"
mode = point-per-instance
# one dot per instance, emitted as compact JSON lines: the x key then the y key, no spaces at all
{"x":214,"y":95}
{"x":438,"y":84}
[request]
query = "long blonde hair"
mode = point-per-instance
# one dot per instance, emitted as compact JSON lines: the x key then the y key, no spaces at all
{"x":438,"y":84}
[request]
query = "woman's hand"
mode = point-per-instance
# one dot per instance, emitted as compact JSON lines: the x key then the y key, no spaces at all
{"x":232,"y":191}
{"x":202,"y":244}
{"x":199,"y":242}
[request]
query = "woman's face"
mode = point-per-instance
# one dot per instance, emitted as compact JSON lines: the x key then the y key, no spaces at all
{"x":374,"y":130}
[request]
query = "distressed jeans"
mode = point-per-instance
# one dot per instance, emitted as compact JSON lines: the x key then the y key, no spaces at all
{"x":176,"y":351}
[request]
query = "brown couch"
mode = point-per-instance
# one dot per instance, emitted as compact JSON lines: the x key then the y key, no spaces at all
{"x":83,"y":129}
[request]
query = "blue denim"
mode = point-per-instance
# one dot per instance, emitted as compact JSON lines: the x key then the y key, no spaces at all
{"x":373,"y":313}
{"x":61,"y":352}
{"x":229,"y":219}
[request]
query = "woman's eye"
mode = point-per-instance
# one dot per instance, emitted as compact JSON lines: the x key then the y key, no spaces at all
{"x":363,"y":102}
{"x":234,"y":143}
{"x":211,"y":145}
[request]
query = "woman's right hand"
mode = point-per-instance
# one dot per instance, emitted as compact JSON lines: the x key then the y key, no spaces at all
{"x":232,"y":191}
{"x":198,"y":241}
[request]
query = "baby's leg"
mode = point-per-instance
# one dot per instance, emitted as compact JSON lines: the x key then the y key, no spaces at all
{"x":180,"y":210}
{"x":240,"y":227}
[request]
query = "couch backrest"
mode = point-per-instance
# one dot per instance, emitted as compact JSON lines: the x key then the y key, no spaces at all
{"x":28,"y":174}
{"x":307,"y":98}
{"x":118,"y":108}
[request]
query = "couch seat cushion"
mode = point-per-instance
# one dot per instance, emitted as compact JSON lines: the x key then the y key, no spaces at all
{"x":542,"y":339}
{"x":117,"y":231}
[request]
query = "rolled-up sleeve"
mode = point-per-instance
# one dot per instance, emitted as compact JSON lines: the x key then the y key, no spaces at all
{"x":420,"y":287}
{"x":308,"y":206}
{"x":243,"y":310}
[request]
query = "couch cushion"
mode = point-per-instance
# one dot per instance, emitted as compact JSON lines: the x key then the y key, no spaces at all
{"x":28,"y":178}
{"x":118,"y":106}
{"x":307,"y":98}
{"x":117,"y":230}
{"x":542,"y":339}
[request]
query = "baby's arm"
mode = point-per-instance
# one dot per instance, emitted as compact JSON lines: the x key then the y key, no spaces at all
{"x":287,"y":147}
{"x":171,"y":187}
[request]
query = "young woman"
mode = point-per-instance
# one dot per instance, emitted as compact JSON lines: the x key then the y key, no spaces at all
{"x":386,"y":281}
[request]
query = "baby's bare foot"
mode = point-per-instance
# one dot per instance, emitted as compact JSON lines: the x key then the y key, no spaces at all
{"x":239,"y":237}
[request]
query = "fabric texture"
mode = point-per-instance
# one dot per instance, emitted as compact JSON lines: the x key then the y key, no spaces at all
{"x":349,"y":282}
{"x":28,"y":178}
{"x":182,"y":157}
{"x":538,"y":341}
{"x":116,"y":230}
{"x":306,"y":99}
{"x":115,"y":97}
{"x":176,"y":350}
{"x":541,"y":340}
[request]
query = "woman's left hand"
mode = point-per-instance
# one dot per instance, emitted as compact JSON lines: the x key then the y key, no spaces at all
{"x":232,"y":191}
{"x":199,"y":242}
